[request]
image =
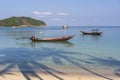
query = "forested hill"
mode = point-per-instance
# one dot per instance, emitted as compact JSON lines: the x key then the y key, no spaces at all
{"x":21,"y":21}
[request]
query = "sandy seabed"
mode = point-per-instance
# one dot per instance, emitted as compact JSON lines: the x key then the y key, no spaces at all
{"x":17,"y":75}
{"x":68,"y":74}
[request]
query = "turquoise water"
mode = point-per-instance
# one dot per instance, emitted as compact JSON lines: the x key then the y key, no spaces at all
{"x":94,"y":54}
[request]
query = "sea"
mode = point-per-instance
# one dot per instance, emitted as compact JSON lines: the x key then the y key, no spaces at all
{"x":96,"y":54}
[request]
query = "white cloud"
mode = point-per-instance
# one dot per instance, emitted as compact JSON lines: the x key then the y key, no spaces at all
{"x":50,"y":13}
{"x":42,"y":13}
{"x":62,"y":14}
{"x":36,"y":13}
{"x":56,"y":16}
{"x":57,"y":19}
{"x":40,"y":16}
{"x":46,"y":13}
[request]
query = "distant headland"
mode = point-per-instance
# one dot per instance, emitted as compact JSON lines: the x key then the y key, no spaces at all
{"x":21,"y":22}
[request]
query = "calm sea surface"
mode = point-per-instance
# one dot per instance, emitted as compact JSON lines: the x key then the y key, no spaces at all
{"x":95,"y":54}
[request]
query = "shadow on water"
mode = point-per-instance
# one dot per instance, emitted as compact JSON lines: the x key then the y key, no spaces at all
{"x":117,"y":72}
{"x":27,"y":61}
{"x":93,"y":37}
{"x":108,"y":62}
{"x":6,"y":70}
{"x":23,"y":57}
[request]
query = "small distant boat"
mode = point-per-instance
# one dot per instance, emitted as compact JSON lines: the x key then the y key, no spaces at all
{"x":94,"y":32}
{"x":13,"y":27}
{"x":65,"y":27}
{"x":91,"y":33}
{"x":64,"y":38}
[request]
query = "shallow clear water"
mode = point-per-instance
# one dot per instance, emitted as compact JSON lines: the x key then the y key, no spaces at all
{"x":94,"y":54}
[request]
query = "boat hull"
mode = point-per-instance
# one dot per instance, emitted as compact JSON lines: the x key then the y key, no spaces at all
{"x":64,"y":38}
{"x":91,"y":33}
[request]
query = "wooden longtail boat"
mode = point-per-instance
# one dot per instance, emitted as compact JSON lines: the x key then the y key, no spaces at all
{"x":91,"y":33}
{"x":64,"y":38}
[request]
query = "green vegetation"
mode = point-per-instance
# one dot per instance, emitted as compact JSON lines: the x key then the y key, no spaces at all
{"x":21,"y":21}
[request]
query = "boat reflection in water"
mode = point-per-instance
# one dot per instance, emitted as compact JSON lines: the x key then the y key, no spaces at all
{"x":59,"y":43}
{"x":92,"y":37}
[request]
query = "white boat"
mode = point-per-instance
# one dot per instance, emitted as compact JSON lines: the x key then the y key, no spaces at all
{"x":13,"y":27}
{"x":65,"y":27}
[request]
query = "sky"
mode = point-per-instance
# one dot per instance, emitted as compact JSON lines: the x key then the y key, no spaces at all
{"x":65,"y":12}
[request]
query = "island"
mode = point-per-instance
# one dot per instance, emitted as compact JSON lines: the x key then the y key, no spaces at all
{"x":21,"y":22}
